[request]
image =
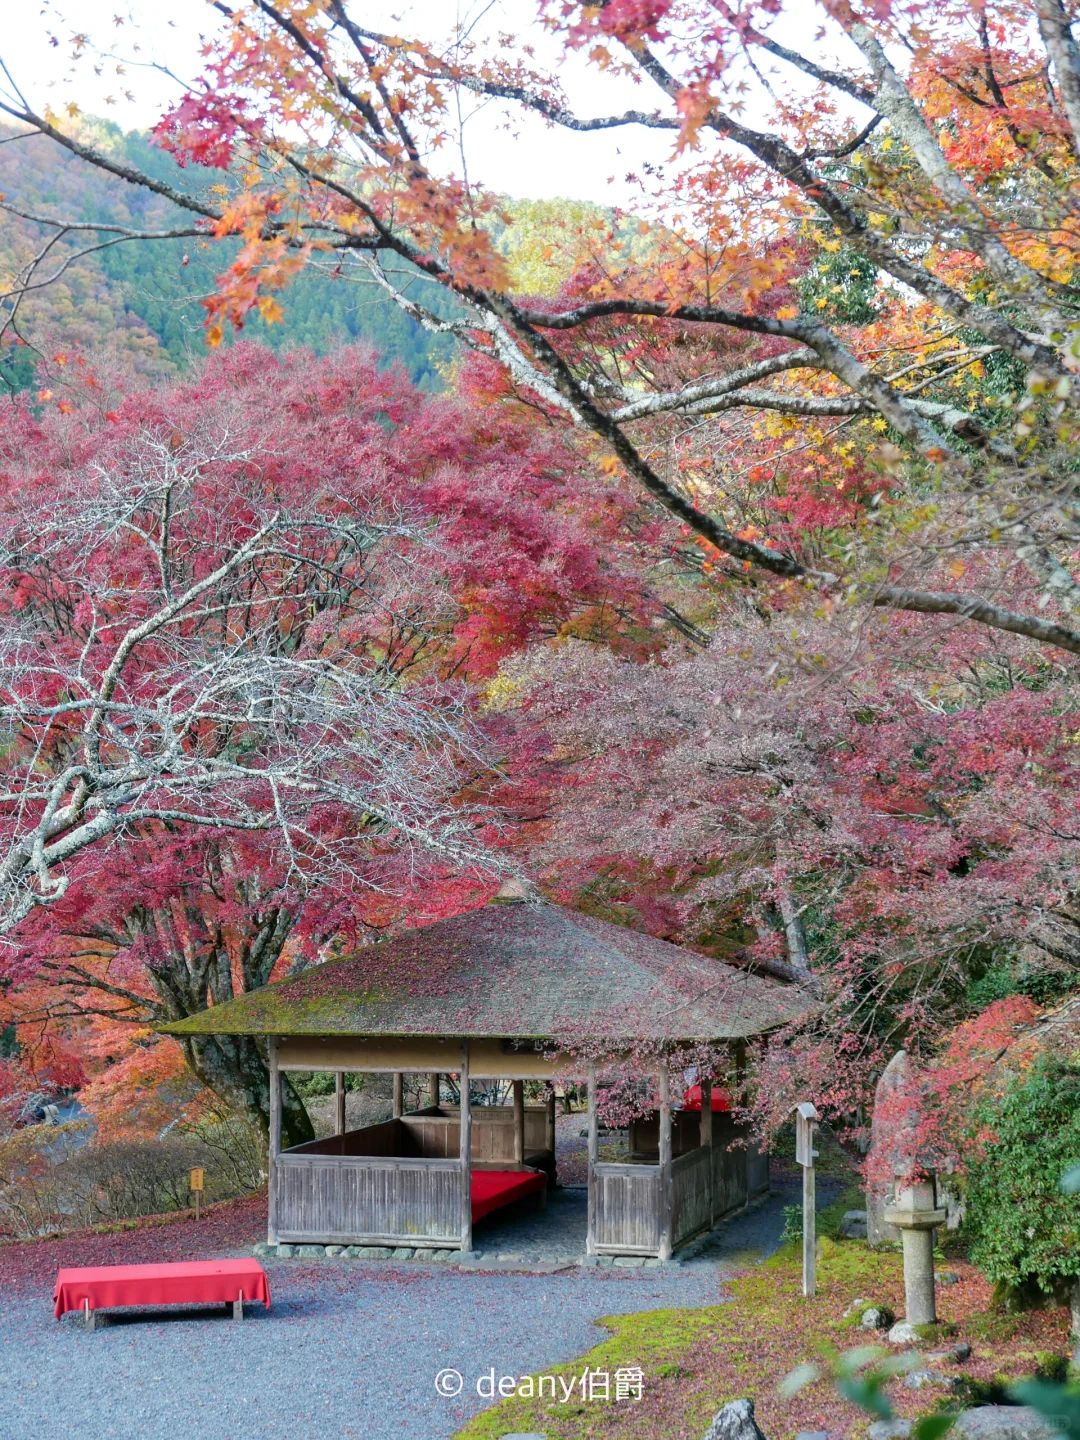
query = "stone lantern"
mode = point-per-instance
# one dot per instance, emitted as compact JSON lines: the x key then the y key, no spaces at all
{"x":914,"y":1212}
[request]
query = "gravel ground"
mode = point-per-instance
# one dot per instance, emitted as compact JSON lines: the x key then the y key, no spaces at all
{"x":347,"y":1349}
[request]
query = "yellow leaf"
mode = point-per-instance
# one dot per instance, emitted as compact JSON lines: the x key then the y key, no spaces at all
{"x":270,"y":310}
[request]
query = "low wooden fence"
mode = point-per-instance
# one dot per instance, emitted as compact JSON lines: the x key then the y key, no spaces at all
{"x":342,"y":1199}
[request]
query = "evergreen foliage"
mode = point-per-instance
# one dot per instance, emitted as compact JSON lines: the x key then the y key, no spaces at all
{"x":1025,"y":1228}
{"x":162,"y":284}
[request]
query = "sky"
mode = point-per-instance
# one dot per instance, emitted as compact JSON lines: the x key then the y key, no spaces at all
{"x":531,"y":161}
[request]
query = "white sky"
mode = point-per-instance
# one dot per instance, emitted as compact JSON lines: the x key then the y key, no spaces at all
{"x":534,"y":162}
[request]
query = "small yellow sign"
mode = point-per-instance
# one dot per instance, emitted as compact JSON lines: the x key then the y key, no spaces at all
{"x":198,"y":1181}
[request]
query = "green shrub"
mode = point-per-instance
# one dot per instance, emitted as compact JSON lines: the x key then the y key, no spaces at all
{"x":1044,"y":981}
{"x":792,"y":1223}
{"x":972,"y":1391}
{"x":1049,"y":1366}
{"x":1025,"y":1230}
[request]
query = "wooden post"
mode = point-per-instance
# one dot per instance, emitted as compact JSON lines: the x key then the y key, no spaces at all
{"x":740,"y":1072}
{"x":433,"y":1088}
{"x":809,"y":1231}
{"x":339,"y":1103}
{"x":805,"y":1117}
{"x":519,"y":1122}
{"x":399,"y":1095}
{"x":275,"y":1139}
{"x":238,"y":1307}
{"x":665,"y":1164}
{"x":551,"y":1138}
{"x":707,"y":1141}
{"x":594,"y":1155}
{"x":466,"y":1151}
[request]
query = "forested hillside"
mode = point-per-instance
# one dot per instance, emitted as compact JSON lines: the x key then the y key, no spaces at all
{"x":146,"y":298}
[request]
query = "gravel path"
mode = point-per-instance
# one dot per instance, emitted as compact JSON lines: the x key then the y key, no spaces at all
{"x":347,"y":1350}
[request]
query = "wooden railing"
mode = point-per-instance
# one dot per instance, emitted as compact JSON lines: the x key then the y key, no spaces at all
{"x":342,"y":1199}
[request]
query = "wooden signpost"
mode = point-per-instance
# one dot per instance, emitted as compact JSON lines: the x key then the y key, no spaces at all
{"x":806,"y":1117}
{"x":198,"y":1185}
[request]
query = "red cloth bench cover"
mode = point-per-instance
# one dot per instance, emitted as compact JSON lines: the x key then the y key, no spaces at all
{"x":492,"y":1189}
{"x":198,"y":1282}
{"x":692,"y":1099}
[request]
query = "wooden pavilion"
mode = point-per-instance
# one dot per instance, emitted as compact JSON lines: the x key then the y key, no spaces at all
{"x":492,"y":994}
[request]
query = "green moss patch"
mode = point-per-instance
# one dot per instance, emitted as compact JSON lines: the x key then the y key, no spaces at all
{"x":694,"y":1361}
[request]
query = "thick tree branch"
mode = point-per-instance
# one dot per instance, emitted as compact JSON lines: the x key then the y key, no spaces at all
{"x":972,"y":607}
{"x":1055,"y":28}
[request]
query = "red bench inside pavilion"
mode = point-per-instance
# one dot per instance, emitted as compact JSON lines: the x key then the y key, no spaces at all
{"x":492,"y":1189}
{"x":198,"y":1282}
{"x":720,"y":1099}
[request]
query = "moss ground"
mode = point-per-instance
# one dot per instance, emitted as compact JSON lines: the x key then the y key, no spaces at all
{"x":694,"y":1361}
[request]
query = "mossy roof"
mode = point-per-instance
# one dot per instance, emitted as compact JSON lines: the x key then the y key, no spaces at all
{"x":514,"y":971}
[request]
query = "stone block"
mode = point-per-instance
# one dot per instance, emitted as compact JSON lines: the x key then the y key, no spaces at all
{"x":311,"y":1252}
{"x":402,"y":1252}
{"x":1003,"y":1422}
{"x":946,"y":1277}
{"x":897,"y":1429}
{"x":263,"y":1251}
{"x":921,"y":1379}
{"x":903,"y":1334}
{"x":956,"y":1353}
{"x":876,"y":1317}
{"x":853,"y":1225}
{"x":333,"y":1251}
{"x":630,"y":1262}
{"x":589,"y":1260}
{"x":285,"y":1252}
{"x":735,"y":1421}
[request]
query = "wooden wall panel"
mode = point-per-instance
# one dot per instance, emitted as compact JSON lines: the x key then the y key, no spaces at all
{"x":626,"y":1201}
{"x":757,"y":1172}
{"x":729,"y":1180}
{"x":342,"y":1200}
{"x":690,"y":1195}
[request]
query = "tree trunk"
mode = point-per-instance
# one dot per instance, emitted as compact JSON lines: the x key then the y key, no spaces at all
{"x":794,"y":931}
{"x":1074,"y":1311}
{"x":197,"y":964}
{"x":235,"y":1069}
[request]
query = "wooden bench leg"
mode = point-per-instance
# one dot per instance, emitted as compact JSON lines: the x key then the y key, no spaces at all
{"x":238,"y":1307}
{"x":89,"y":1315}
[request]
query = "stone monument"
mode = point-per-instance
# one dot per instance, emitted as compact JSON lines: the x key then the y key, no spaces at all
{"x":894,"y":1078}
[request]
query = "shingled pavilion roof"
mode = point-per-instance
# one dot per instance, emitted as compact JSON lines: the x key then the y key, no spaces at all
{"x":529,"y":971}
